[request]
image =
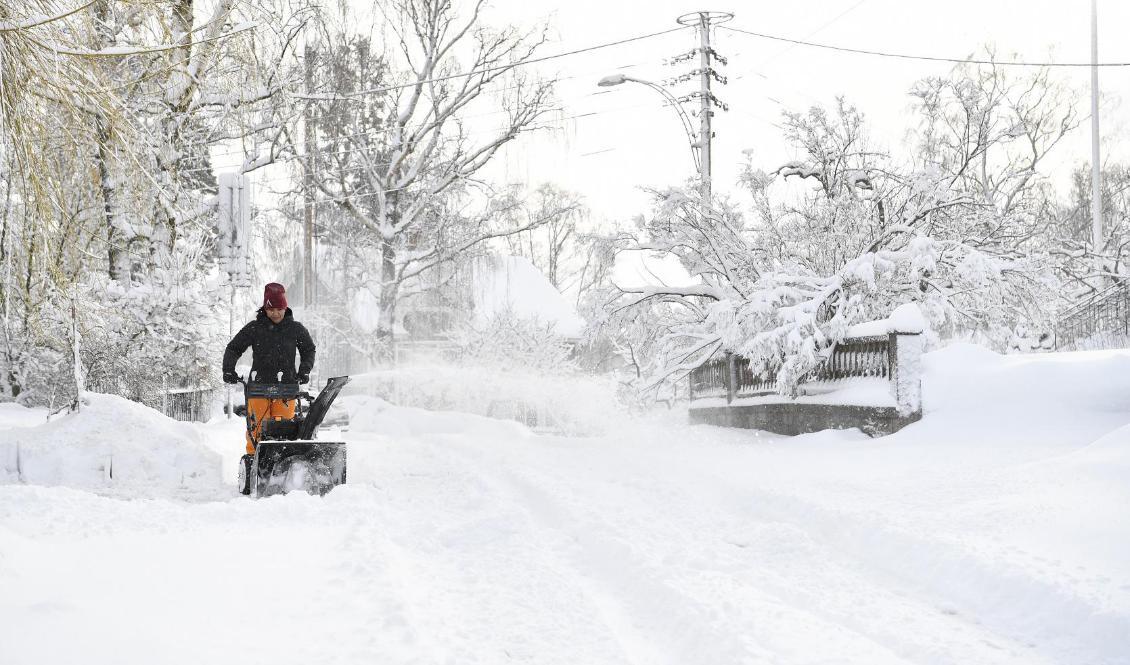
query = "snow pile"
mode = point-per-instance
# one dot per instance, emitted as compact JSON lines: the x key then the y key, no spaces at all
{"x":16,"y":415}
{"x":905,"y":318}
{"x":513,"y":286}
{"x":112,"y":444}
{"x":570,"y":404}
{"x":969,"y":390}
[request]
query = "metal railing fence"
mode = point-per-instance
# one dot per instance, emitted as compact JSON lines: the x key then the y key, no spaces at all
{"x":1103,"y":321}
{"x":733,"y":376}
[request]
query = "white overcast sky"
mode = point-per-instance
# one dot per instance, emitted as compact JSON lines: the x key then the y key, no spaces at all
{"x":633,"y":140}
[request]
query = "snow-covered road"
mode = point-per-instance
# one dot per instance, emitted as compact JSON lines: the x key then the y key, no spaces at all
{"x":465,"y":540}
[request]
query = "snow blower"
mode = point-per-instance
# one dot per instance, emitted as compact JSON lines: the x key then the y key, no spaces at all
{"x":287,"y":456}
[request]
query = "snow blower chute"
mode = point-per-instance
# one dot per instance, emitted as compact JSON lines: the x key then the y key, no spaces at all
{"x":287,"y":456}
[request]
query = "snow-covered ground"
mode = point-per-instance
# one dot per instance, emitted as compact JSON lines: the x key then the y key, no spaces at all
{"x":996,"y":530}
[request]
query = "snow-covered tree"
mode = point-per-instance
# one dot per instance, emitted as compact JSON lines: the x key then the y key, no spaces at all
{"x":846,"y":232}
{"x":400,"y":161}
{"x":552,"y":216}
{"x":109,"y":113}
{"x":1085,"y":270}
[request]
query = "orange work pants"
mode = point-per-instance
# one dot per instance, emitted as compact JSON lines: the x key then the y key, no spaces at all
{"x":265,"y":408}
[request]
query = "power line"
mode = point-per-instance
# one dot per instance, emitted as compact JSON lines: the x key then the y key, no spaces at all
{"x":375,"y":133}
{"x":486,"y":70}
{"x":812,"y":33}
{"x":904,"y":56}
{"x":547,"y":123}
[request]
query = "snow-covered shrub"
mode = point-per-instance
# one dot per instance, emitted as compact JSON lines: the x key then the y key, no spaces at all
{"x":133,"y":341}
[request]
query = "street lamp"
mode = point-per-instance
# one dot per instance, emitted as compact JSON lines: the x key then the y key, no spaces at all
{"x":696,"y":147}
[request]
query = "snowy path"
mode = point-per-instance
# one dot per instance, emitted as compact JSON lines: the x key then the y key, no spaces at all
{"x":466,"y":540}
{"x":504,"y":547}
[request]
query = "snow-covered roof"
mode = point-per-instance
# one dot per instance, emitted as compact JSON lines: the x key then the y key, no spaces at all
{"x":514,"y":284}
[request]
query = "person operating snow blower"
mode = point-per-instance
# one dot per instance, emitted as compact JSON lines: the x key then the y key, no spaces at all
{"x":274,"y":337}
{"x":283,"y":452}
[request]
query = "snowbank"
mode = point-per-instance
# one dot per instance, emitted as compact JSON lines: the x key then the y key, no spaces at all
{"x":15,"y":415}
{"x":1022,"y":399}
{"x":112,"y":444}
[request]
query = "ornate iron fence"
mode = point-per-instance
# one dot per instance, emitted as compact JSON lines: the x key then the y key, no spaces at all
{"x":711,"y":379}
{"x":750,"y":382}
{"x":857,"y":357}
{"x":733,"y":376}
{"x":1103,"y":321}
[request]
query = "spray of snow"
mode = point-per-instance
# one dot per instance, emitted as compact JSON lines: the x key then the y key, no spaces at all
{"x":573,"y":404}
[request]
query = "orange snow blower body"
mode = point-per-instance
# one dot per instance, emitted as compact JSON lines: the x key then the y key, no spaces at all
{"x":282,"y":452}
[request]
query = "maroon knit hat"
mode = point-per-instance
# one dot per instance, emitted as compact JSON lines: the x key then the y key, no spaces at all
{"x":274,"y":296}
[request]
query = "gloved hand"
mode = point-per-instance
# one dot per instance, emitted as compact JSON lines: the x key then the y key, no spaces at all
{"x":230,"y":377}
{"x":304,"y":378}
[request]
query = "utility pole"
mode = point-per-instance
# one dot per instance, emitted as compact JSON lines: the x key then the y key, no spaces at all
{"x":235,"y":254}
{"x":706,"y":74}
{"x":705,"y":133}
{"x":1096,"y":165}
{"x":310,"y":147}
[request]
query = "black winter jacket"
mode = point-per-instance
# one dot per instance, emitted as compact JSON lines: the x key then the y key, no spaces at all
{"x":272,"y":348}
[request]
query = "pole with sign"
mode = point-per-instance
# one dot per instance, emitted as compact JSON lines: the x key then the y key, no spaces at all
{"x":235,"y":256}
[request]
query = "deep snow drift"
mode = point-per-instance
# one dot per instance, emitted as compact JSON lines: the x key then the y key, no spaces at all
{"x":111,"y":444}
{"x":996,"y":530}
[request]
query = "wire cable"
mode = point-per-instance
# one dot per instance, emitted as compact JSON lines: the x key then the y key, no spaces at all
{"x":486,"y":70}
{"x":905,"y":56}
{"x":813,"y":33}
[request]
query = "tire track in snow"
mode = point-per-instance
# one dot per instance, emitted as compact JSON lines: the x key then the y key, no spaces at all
{"x":797,"y":582}
{"x":373,"y":617}
{"x":979,"y":603}
{"x":462,"y":564}
{"x":652,"y":621}
{"x":989,"y":596}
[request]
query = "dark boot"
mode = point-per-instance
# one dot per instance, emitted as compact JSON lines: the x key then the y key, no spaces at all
{"x":245,"y":464}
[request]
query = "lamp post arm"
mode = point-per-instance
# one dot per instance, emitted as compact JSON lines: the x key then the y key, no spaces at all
{"x":687,"y":126}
